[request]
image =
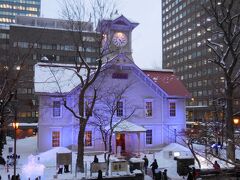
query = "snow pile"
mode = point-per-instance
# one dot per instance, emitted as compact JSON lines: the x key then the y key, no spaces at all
{"x":32,"y":169}
{"x":136,"y":160}
{"x":175,"y":147}
{"x":50,"y":156}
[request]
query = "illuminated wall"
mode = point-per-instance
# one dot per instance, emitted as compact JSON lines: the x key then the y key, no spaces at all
{"x":162,"y":128}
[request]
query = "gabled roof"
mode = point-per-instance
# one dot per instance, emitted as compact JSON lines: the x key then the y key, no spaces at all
{"x":167,"y":81}
{"x":55,"y":78}
{"x":126,"y":126}
{"x":120,"y":22}
{"x":62,"y":78}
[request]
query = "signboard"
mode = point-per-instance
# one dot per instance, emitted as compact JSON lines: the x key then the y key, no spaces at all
{"x":64,"y":159}
{"x":117,"y":166}
{"x":95,"y":167}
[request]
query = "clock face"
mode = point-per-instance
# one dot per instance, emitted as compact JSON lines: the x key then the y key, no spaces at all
{"x":119,"y":39}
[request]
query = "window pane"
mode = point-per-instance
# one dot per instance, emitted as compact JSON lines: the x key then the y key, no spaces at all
{"x":148,"y":109}
{"x":88,"y":138}
{"x":119,"y":108}
{"x":55,"y":139}
{"x":149,"y":137}
{"x":56,"y":108}
{"x":172,"y":109}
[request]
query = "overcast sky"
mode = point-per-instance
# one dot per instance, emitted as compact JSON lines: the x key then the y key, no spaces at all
{"x":147,"y":46}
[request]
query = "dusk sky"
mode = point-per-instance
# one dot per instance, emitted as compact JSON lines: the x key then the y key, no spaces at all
{"x":147,"y":44}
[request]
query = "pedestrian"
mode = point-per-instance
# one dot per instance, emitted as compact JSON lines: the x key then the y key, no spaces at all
{"x":216,"y":166}
{"x":60,"y":169}
{"x":194,"y":173}
{"x":158,"y":175}
{"x":165,"y":177}
{"x":190,"y":175}
{"x":154,"y":166}
{"x":145,"y":163}
{"x":95,"y":159}
{"x":99,"y":175}
{"x":66,"y":168}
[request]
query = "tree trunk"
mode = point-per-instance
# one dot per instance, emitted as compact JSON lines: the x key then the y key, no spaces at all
{"x":80,"y":153}
{"x":109,"y":152}
{"x":229,"y":123}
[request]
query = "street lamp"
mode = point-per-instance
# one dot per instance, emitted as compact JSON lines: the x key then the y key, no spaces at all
{"x":15,"y":125}
{"x":236,"y":121}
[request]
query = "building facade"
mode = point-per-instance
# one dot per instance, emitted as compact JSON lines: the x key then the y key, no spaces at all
{"x":186,"y":28}
{"x":9,"y":9}
{"x":156,"y":112}
{"x":150,"y":105}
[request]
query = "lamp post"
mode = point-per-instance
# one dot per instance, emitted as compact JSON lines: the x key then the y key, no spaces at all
{"x":15,"y":125}
{"x":236,"y":121}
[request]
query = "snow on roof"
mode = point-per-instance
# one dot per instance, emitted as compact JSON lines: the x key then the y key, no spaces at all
{"x":167,"y":81}
{"x":24,"y":124}
{"x":55,"y":78}
{"x":126,"y":126}
{"x":174,"y":147}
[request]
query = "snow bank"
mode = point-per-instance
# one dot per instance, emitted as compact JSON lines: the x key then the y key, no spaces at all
{"x":32,"y":169}
{"x":175,"y":147}
{"x":50,"y":156}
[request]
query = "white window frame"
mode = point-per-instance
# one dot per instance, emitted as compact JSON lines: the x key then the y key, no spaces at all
{"x":175,"y":110}
{"x":117,"y":110}
{"x":145,"y":107}
{"x":60,"y":109}
{"x":147,"y":144}
{"x":86,"y":102}
{"x":91,"y":139}
{"x":56,"y":130}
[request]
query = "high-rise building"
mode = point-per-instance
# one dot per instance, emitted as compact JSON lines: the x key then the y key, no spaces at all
{"x":186,"y":28}
{"x":9,"y":9}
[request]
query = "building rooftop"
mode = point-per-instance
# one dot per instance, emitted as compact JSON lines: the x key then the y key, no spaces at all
{"x":168,"y":82}
{"x":54,"y":23}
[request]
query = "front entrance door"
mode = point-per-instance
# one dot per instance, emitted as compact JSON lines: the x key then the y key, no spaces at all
{"x":120,"y":141}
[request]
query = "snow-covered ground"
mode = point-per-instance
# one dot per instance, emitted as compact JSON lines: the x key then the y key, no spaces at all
{"x":32,"y":163}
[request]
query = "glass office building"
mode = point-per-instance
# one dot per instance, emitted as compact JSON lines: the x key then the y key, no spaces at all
{"x":10,"y":8}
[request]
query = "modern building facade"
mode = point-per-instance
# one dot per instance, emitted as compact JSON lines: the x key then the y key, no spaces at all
{"x":34,"y":39}
{"x":186,"y":28}
{"x":9,"y":9}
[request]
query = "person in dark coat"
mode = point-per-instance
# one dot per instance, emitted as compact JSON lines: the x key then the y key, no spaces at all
{"x":216,"y":166}
{"x":165,"y":177}
{"x":190,"y":176}
{"x":154,"y":166}
{"x":95,"y":159}
{"x":66,"y":168}
{"x":194,"y":173}
{"x":145,"y":163}
{"x":99,"y":175}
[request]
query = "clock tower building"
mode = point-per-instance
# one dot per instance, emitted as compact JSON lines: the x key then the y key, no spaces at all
{"x":117,"y":36}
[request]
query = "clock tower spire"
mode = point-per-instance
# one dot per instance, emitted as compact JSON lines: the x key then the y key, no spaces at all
{"x":117,"y":36}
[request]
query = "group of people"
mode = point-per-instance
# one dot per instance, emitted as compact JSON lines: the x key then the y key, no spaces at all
{"x":192,"y":174}
{"x":157,"y":175}
{"x":60,"y":169}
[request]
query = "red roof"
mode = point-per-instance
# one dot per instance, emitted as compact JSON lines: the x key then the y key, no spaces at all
{"x":167,"y":81}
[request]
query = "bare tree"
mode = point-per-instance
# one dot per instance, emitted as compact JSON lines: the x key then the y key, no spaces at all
{"x":225,"y":16}
{"x":13,"y":61}
{"x":77,"y":13}
{"x":110,"y":111}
